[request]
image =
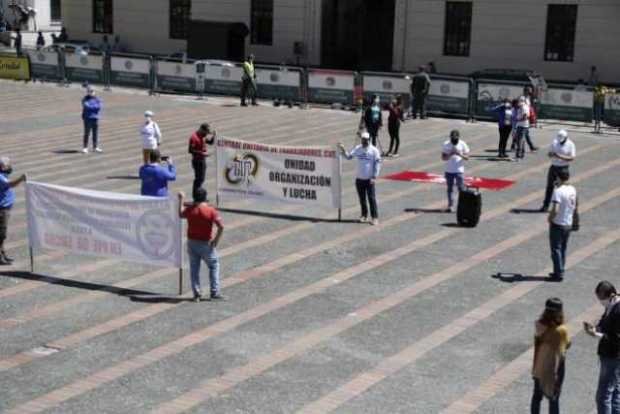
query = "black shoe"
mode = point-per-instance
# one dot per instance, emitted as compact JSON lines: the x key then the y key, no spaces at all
{"x":534,"y":149}
{"x":543,"y":209}
{"x":244,"y":104}
{"x":556,"y":278}
{"x":254,"y":104}
{"x":218,"y":296}
{"x":4,"y":262}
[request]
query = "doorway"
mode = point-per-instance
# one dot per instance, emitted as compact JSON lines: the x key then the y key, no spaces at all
{"x":357,"y":34}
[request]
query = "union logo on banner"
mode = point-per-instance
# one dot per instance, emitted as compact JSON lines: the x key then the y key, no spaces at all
{"x":445,"y":89}
{"x":274,"y":77}
{"x":387,"y":85}
{"x":40,"y":57}
{"x":84,"y":61}
{"x":242,"y":169}
{"x":330,"y":81}
{"x":153,"y":233}
{"x":225,"y":73}
{"x":178,"y":69}
{"x":128,"y":64}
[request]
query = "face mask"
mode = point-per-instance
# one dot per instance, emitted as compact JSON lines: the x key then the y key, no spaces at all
{"x":376,"y":102}
{"x":454,"y":141}
{"x":605,"y":302}
{"x":8,"y":171}
{"x":507,"y":106}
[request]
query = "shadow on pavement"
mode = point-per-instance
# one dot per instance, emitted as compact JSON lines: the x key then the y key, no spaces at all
{"x":526,"y":211}
{"x":518,"y":277}
{"x":76,"y":284}
{"x":426,"y":210}
{"x":159,"y":299}
{"x":65,"y":151}
{"x":123,"y":177}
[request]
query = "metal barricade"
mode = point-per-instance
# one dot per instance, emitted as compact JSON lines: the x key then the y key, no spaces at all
{"x":280,"y":82}
{"x":130,"y":70}
{"x":386,"y":85}
{"x":611,"y":115}
{"x":331,"y":86}
{"x":84,"y":68}
{"x":222,"y":78}
{"x":45,"y":64}
{"x":450,"y":95}
{"x":175,"y":76}
{"x":565,"y":103}
{"x":490,"y":93}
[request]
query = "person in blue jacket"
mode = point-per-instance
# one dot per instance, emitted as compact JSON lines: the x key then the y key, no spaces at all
{"x":504,"y":120}
{"x":155,"y":175}
{"x":91,"y":111}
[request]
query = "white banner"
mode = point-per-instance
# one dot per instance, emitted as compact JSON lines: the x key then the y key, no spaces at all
{"x":123,"y":226}
{"x":301,"y":175}
{"x":326,"y":79}
{"x":568,"y":97}
{"x":74,"y":60}
{"x":386,"y":84}
{"x":448,"y":88}
{"x":123,"y":64}
{"x":498,"y":92}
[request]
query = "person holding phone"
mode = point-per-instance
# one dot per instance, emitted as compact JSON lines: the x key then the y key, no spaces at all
{"x":156,"y":174}
{"x":608,"y":331}
{"x":7,"y":199}
{"x":198,"y":148}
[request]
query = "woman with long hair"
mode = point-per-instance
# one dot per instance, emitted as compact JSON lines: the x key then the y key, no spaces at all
{"x":551,"y":342}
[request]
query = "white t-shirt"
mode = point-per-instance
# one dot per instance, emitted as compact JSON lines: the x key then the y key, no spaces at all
{"x":565,"y":196}
{"x":368,"y":161}
{"x":523,"y":110}
{"x":150,"y":134}
{"x":568,"y":150}
{"x":456,"y":163}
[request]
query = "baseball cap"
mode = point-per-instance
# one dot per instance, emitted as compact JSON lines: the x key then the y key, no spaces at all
{"x":149,"y":114}
{"x":554,"y":304}
{"x":365,"y":135}
{"x":562,"y":134}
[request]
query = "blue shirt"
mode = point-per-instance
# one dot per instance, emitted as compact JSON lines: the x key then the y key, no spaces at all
{"x":7,"y":195}
{"x":155,"y":179}
{"x":91,"y":106}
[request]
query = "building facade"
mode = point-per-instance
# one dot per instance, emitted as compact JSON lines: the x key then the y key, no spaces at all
{"x":560,"y":39}
{"x":45,"y":14}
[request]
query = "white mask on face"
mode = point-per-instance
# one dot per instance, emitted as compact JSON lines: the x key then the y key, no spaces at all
{"x":605,"y":302}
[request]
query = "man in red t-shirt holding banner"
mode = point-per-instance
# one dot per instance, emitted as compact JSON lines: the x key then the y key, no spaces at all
{"x":198,"y":148}
{"x":201,"y":243}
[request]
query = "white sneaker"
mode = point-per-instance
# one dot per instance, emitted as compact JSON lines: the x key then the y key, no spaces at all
{"x":363,"y":219}
{"x":84,"y":150}
{"x":374,"y":222}
{"x":98,"y":149}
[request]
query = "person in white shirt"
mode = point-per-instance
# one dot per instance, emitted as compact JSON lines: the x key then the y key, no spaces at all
{"x":151,"y":136}
{"x":455,"y":152}
{"x":523,"y":126}
{"x":368,"y":167}
{"x":562,"y":152}
{"x":563,"y":205}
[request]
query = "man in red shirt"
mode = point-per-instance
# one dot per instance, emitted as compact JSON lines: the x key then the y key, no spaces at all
{"x":201,"y":243}
{"x":198,"y":148}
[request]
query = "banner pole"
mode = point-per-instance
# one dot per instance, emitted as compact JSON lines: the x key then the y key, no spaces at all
{"x":31,"y":259}
{"x":180,"y":280}
{"x":180,"y":250}
{"x":340,"y":185}
{"x":217,"y":174}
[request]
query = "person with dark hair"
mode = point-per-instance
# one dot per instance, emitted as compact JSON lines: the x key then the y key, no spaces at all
{"x":563,"y":206}
{"x":455,"y":152}
{"x":373,"y":119}
{"x":562,"y":152}
{"x":155,"y":175}
{"x":420,"y":86}
{"x":431,"y":67}
{"x":551,"y":341}
{"x":368,"y":168}
{"x":198,"y":148}
{"x":7,"y":199}
{"x":40,"y":41}
{"x":91,"y":112}
{"x":394,"y":120}
{"x":201,"y":242}
{"x":18,"y":42}
{"x":504,"y":120}
{"x":608,"y":331}
{"x":248,"y":81}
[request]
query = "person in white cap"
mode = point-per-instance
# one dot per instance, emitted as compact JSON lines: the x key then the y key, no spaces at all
{"x":368,"y":167}
{"x":151,"y":136}
{"x":7,"y":199}
{"x":562,"y":152}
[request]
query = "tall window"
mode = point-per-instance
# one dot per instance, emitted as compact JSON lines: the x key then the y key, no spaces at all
{"x":561,"y":27}
{"x":180,"y":15}
{"x":262,"y":22}
{"x":103,"y":16}
{"x":457,"y":29}
{"x":55,"y":14}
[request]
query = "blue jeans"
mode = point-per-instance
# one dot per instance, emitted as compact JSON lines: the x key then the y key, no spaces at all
{"x":450,"y":177}
{"x":91,"y":125}
{"x":199,"y":250}
{"x":522,"y":136}
{"x":558,"y":240}
{"x":608,"y":392}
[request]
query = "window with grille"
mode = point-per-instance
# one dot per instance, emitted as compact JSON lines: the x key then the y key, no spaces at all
{"x":262,"y":22}
{"x":180,"y":16}
{"x":103,"y":16}
{"x":457,"y":30}
{"x":561,"y":27}
{"x":55,"y":14}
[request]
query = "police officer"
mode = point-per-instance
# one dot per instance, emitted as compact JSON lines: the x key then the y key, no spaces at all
{"x":248,"y":81}
{"x":420,"y":85}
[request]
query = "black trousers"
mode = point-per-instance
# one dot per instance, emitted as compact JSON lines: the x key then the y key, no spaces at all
{"x":200,"y":170}
{"x":419,"y":105}
{"x":5,"y":213}
{"x":552,"y":177}
{"x":504,"y":133}
{"x":394,"y":131}
{"x":373,"y":131}
{"x":247,"y":90}
{"x":366,"y":189}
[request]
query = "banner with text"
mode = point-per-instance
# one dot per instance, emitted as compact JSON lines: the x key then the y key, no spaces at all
{"x":301,"y":175}
{"x":123,"y":226}
{"x":14,"y":67}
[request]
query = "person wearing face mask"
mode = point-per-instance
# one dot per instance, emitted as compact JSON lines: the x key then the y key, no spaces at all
{"x":368,"y":167}
{"x":151,"y":136}
{"x":373,"y":119}
{"x":561,"y":216}
{"x":608,"y":331}
{"x":504,"y":120}
{"x":91,"y":110}
{"x":7,"y":199}
{"x":562,"y":152}
{"x":523,"y":126}
{"x":551,"y":341}
{"x":455,"y":152}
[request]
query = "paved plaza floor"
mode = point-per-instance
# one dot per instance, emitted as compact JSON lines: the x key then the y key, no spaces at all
{"x":415,"y":315}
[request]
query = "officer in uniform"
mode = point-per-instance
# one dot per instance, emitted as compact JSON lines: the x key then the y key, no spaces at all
{"x":248,"y":85}
{"x":420,"y":86}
